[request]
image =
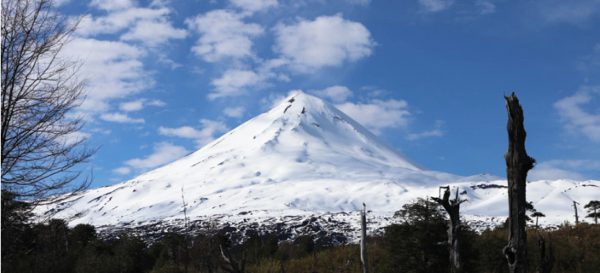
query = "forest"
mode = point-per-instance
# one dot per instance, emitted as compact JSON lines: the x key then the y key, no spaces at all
{"x":417,"y":243}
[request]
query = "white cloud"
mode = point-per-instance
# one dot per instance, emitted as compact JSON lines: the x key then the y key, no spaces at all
{"x":234,"y":82}
{"x":137,"y":105}
{"x":572,"y":11}
{"x":223,"y":34}
{"x":563,"y":169}
{"x":435,"y":5}
{"x":122,"y":170}
{"x":336,"y":93}
{"x":120,"y":118}
{"x":112,"y":4}
{"x":435,"y":132}
{"x":117,"y":20}
{"x":153,"y":32}
{"x":111,"y":70}
{"x":149,"y":26}
{"x":74,"y":137}
{"x":254,"y":5}
{"x":234,"y":112}
{"x":576,"y":117}
{"x":163,"y":153}
{"x":209,"y":129}
{"x":377,"y":115}
{"x":325,"y":41}
{"x":485,"y":7}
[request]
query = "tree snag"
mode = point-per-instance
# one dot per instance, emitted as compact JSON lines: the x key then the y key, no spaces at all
{"x":452,"y":207}
{"x":231,"y":265}
{"x":518,"y":163}
{"x":363,"y":239}
{"x":546,"y":260}
{"x":576,"y":215}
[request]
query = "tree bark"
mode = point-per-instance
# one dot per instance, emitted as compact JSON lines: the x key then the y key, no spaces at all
{"x":518,"y":163}
{"x":576,"y":215}
{"x":363,"y":239}
{"x":546,"y":259}
{"x":452,"y":207}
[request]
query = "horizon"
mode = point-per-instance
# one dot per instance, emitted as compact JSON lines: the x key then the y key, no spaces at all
{"x":427,"y":77}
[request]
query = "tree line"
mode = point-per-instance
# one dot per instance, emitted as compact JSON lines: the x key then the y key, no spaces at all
{"x":416,"y":244}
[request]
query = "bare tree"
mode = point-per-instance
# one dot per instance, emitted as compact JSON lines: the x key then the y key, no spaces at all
{"x":518,"y":163}
{"x":452,"y":207}
{"x":232,"y":265}
{"x":40,"y":147}
{"x":363,"y":239}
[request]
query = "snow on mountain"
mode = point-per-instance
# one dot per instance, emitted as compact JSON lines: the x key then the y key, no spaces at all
{"x":303,"y":158}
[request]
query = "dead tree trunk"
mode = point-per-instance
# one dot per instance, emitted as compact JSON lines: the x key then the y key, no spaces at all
{"x":363,"y":239}
{"x":546,"y":259}
{"x":231,"y":265}
{"x":576,"y":215}
{"x":452,"y":207}
{"x":518,"y":163}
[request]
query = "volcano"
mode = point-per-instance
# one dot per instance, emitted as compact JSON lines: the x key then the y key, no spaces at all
{"x":303,"y":158}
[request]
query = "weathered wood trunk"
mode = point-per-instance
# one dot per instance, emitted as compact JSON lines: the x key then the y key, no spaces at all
{"x":518,"y":163}
{"x":231,"y":265}
{"x":363,"y":239}
{"x":576,"y":215}
{"x":453,"y":210}
{"x":546,"y":258}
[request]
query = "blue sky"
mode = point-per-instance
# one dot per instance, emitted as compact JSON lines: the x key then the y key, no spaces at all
{"x":165,"y":77}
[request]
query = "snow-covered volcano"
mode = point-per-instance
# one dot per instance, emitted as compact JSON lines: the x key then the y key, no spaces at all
{"x":303,"y":157}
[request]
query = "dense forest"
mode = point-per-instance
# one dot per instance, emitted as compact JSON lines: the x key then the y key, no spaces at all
{"x":417,"y":243}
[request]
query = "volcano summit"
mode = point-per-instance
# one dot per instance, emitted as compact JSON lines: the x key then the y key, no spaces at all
{"x":301,"y":159}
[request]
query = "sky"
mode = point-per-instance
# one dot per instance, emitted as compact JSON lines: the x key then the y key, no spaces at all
{"x":163,"y":78}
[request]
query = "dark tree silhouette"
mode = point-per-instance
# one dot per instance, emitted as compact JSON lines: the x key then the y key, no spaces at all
{"x":40,"y":147}
{"x":537,"y":215}
{"x":452,"y":207}
{"x":593,"y":208}
{"x":518,"y":163}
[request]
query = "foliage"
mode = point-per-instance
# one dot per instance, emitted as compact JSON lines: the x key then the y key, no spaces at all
{"x":416,"y":244}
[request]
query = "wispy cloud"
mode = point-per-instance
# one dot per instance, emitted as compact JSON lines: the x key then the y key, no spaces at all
{"x":122,"y":170}
{"x":207,"y":132}
{"x":563,"y":169}
{"x":252,"y":6}
{"x":147,"y":25}
{"x":576,"y":117}
{"x":137,"y":105}
{"x":120,"y":118}
{"x":111,"y":70}
{"x":575,"y":12}
{"x":162,"y":153}
{"x":377,"y":114}
{"x":435,"y":5}
{"x":336,"y":93}
{"x":234,"y":112}
{"x":435,"y":132}
{"x":485,"y":6}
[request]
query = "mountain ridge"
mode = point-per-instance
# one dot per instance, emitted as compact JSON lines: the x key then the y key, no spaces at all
{"x":303,"y":157}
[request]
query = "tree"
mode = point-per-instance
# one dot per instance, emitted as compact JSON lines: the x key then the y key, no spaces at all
{"x":452,"y":207}
{"x":40,"y":147}
{"x":537,"y":215}
{"x":593,"y":208}
{"x":363,"y":239}
{"x":417,"y":244}
{"x":518,"y":163}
